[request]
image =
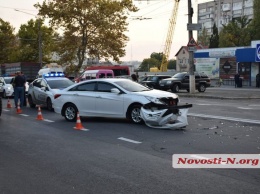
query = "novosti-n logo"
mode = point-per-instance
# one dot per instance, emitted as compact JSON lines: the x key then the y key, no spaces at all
{"x":216,"y":161}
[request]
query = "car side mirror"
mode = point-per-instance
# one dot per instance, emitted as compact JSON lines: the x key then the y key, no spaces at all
{"x":115,"y":90}
{"x":43,"y":88}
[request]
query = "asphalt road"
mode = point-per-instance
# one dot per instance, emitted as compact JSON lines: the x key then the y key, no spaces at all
{"x":52,"y":157}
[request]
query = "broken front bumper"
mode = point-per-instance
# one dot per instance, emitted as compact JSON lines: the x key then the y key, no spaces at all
{"x":173,"y":117}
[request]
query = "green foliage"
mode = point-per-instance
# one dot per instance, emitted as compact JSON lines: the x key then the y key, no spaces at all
{"x":236,"y":33}
{"x":255,"y":24}
{"x":203,"y":38}
{"x":7,"y":41}
{"x":148,"y":63}
{"x":29,"y":35}
{"x":172,"y":64}
{"x":214,"y":39}
{"x":98,"y":27}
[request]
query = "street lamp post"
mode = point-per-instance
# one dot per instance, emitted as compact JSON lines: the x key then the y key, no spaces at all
{"x":39,"y":35}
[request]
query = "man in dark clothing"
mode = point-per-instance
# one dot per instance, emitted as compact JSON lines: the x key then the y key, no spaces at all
{"x":237,"y":76}
{"x":19,"y":83}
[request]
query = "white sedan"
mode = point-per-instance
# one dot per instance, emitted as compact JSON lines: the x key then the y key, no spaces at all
{"x":121,"y":98}
{"x":6,"y":88}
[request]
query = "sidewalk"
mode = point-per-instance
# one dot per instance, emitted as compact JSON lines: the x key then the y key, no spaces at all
{"x":225,"y":92}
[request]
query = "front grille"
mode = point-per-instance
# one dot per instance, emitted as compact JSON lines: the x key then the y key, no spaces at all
{"x":170,"y":101}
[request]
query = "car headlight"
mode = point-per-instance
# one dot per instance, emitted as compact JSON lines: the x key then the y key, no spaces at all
{"x":169,"y":82}
{"x":9,"y":88}
{"x":154,"y":100}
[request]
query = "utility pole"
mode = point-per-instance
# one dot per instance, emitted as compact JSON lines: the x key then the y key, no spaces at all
{"x":39,"y":34}
{"x":40,"y":42}
{"x":191,"y":56}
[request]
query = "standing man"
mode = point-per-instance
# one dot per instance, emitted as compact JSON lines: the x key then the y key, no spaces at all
{"x":19,"y":83}
{"x":237,"y":76}
{"x":24,"y":96}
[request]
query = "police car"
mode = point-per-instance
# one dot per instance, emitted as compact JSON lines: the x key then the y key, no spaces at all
{"x":6,"y":88}
{"x":41,"y":91}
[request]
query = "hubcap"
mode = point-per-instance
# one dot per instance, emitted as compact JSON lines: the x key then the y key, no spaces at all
{"x":70,"y":113}
{"x":136,"y":115}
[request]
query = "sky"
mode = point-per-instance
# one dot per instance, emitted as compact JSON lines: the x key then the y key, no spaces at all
{"x":145,"y":36}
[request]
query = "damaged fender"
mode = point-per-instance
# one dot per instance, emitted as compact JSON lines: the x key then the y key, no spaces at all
{"x":171,"y":117}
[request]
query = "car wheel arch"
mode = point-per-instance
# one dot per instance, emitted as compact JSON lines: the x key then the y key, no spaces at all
{"x":64,"y":107}
{"x":129,"y":109}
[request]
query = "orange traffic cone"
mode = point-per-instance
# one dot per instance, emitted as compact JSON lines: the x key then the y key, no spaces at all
{"x":79,"y":125}
{"x":39,"y":116}
{"x":18,"y":110}
{"x":8,"y":104}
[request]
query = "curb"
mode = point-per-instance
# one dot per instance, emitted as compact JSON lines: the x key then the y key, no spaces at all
{"x":216,"y":97}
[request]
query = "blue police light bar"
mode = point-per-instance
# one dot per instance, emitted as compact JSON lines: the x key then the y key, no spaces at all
{"x":54,"y":74}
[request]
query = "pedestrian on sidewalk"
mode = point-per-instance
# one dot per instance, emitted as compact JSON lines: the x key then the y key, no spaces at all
{"x":19,"y":83}
{"x":258,"y":80}
{"x":237,"y":76}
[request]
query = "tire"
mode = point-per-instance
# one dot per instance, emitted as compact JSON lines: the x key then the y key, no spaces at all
{"x":202,"y":88}
{"x":49,"y":104}
{"x":31,"y":104}
{"x":175,"y":88}
{"x":134,"y":114}
{"x":70,"y":112}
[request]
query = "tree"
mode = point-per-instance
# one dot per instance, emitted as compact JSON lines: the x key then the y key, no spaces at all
{"x":7,"y":41}
{"x":29,"y":41}
{"x":254,"y":26}
{"x":172,"y":64}
{"x":148,"y":63}
{"x":214,"y":39}
{"x":203,"y":38}
{"x":236,"y":33}
{"x":98,"y":26}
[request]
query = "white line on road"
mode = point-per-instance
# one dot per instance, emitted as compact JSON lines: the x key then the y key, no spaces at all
{"x":225,"y":118}
{"x":129,"y":140}
{"x":50,"y":121}
{"x":6,"y":110}
{"x":245,"y":108}
{"x":24,"y":115}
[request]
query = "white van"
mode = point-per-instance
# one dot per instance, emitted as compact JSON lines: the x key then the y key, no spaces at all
{"x":50,"y":68}
{"x":95,"y":74}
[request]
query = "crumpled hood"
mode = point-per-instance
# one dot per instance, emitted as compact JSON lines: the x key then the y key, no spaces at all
{"x":157,"y":94}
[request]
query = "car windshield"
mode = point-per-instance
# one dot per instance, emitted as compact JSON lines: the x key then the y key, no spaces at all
{"x":152,"y":78}
{"x":132,"y":86}
{"x":8,"y":80}
{"x":178,"y":75}
{"x":57,"y":84}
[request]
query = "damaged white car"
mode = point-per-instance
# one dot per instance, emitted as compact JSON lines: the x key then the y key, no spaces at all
{"x":121,"y":98}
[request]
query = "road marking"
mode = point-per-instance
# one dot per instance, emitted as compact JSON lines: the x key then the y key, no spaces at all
{"x":6,"y":110}
{"x":47,"y":120}
{"x":245,"y":108}
{"x":129,"y":140}
{"x":24,"y":115}
{"x":225,"y":118}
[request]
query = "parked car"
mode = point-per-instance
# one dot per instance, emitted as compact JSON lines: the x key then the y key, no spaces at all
{"x":41,"y":91}
{"x":6,"y":88}
{"x":152,"y":81}
{"x":181,"y":81}
{"x":119,"y":98}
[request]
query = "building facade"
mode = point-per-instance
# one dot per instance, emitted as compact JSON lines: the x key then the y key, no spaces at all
{"x":221,"y":12}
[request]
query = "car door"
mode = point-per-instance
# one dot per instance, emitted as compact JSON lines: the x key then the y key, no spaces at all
{"x":35,"y":91}
{"x":2,"y":83}
{"x":84,"y":97}
{"x":109,"y":104}
{"x":197,"y":80}
{"x":186,"y":81}
{"x":42,"y":92}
